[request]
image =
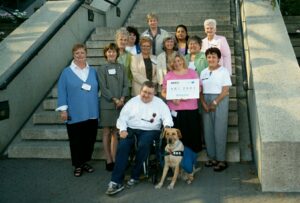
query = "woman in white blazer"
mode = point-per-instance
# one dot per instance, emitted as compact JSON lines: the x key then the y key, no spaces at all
{"x":143,"y":66}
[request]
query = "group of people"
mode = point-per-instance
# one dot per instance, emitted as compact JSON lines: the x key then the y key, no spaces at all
{"x":128,"y":96}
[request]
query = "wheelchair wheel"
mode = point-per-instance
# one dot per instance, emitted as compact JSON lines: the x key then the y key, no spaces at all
{"x":154,"y":179}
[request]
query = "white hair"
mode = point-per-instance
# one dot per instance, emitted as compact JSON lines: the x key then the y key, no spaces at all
{"x":210,"y":22}
{"x":121,"y":32}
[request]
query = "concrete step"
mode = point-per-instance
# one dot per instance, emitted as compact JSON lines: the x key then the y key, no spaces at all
{"x":47,"y":117}
{"x":176,"y":20}
{"x":47,"y":149}
{"x":295,"y":41}
{"x":232,"y":153}
{"x":184,"y":14}
{"x":59,"y":132}
{"x":96,"y":61}
{"x":185,"y":5}
{"x":232,"y":118}
{"x":93,"y":44}
{"x":198,"y":27}
{"x":50,"y":132}
{"x":61,"y":150}
{"x":53,"y":118}
{"x":173,"y":8}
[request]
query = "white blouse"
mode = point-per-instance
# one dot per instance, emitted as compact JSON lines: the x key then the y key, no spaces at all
{"x":213,"y":81}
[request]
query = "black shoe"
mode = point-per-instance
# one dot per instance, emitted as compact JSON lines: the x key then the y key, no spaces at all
{"x":109,"y":166}
{"x":221,"y":166}
{"x":210,"y":163}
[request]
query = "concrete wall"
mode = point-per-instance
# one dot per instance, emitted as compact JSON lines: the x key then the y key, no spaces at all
{"x":274,"y":96}
{"x":112,"y":20}
{"x":31,"y":85}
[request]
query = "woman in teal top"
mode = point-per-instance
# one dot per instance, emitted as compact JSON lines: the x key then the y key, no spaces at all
{"x":196,"y":59}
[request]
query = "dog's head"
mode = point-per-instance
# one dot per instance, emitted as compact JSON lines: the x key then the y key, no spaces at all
{"x":172,"y":135}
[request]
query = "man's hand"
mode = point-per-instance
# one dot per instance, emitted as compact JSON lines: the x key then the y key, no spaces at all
{"x":123,"y":134}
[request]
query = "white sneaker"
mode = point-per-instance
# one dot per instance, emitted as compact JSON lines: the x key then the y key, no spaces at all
{"x":114,"y":188}
{"x":132,"y":182}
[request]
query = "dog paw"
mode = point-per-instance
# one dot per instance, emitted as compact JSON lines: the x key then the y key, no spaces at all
{"x":171,"y":187}
{"x":189,"y":182}
{"x":158,"y":186}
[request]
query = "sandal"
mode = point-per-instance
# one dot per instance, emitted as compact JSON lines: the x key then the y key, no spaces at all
{"x":221,"y":166}
{"x":78,"y":172}
{"x":88,"y":168}
{"x":210,"y":163}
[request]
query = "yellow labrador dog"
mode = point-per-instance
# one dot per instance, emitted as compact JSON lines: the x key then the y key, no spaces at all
{"x":173,"y":155}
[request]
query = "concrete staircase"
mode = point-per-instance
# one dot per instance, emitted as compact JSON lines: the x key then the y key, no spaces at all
{"x":44,"y":136}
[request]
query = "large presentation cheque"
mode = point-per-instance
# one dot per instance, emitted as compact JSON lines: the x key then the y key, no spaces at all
{"x":183,"y":89}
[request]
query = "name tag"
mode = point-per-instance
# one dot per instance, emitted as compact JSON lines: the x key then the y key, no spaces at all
{"x":112,"y":71}
{"x":86,"y":87}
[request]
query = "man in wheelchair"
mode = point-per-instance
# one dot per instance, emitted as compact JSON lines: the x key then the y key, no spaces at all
{"x":141,"y":119}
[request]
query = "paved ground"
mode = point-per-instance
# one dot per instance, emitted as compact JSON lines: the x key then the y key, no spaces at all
{"x":34,"y":181}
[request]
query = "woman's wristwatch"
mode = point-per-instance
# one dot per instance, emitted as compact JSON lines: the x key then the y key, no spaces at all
{"x":215,"y":102}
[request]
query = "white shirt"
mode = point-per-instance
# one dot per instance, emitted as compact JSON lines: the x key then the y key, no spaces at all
{"x":213,"y":81}
{"x":138,"y":115}
{"x":192,"y":65}
{"x":82,"y":73}
{"x":131,"y":50}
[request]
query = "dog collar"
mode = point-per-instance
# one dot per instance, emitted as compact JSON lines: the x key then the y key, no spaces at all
{"x":175,"y":153}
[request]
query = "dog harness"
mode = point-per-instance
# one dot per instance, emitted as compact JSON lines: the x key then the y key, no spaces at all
{"x":175,"y":153}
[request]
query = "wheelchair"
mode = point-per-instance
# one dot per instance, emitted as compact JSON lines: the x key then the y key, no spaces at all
{"x":152,"y":166}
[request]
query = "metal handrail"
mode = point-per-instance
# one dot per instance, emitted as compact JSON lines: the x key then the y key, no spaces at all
{"x":7,"y":79}
{"x":239,"y":27}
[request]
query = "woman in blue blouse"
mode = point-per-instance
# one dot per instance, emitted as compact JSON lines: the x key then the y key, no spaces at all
{"x":78,"y":103}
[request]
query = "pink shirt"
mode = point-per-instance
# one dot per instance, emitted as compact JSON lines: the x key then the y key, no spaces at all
{"x":189,"y":104}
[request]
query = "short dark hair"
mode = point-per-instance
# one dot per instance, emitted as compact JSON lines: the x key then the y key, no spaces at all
{"x":133,"y":30}
{"x":148,"y":84}
{"x":78,"y":46}
{"x":213,"y":50}
{"x":111,"y":46}
{"x":196,"y":39}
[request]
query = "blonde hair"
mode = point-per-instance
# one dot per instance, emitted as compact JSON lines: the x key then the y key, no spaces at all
{"x":151,"y":16}
{"x":145,"y":39}
{"x":182,"y":58}
{"x":210,"y":22}
{"x":121,"y":32}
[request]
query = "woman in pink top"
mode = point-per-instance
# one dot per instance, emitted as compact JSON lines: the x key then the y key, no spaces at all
{"x":218,"y":41}
{"x":185,"y":113}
